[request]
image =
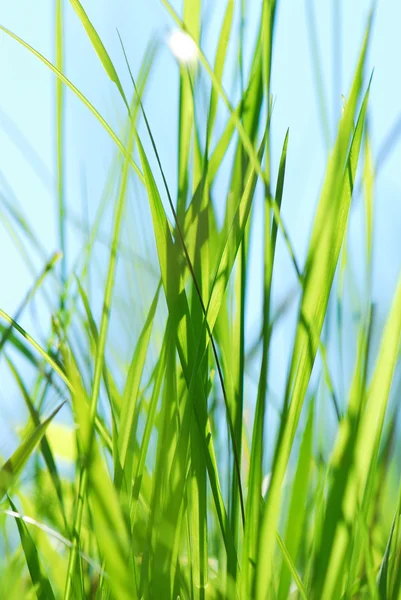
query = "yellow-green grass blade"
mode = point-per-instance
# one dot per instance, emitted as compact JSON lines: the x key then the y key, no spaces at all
{"x":326,"y":240}
{"x":14,"y":465}
{"x":297,"y":515}
{"x":99,"y":48}
{"x":38,"y":575}
{"x":60,"y":147}
{"x":81,"y":97}
{"x":368,"y":182}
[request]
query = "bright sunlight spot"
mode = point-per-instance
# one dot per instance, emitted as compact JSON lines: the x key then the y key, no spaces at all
{"x":182,"y":47}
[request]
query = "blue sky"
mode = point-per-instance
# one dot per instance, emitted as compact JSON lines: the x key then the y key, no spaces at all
{"x":27,"y":118}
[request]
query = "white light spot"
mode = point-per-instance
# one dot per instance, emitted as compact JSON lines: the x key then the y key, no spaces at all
{"x":182,"y":47}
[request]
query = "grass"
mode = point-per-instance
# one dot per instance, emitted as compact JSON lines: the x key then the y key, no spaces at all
{"x":166,"y":494}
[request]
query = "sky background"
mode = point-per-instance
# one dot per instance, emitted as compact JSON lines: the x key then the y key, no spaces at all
{"x":28,"y":157}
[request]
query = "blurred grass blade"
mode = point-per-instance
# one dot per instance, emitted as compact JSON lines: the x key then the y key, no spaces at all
{"x":60,"y":149}
{"x":40,"y":279}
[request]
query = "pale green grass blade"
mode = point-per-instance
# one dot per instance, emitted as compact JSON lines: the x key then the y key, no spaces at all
{"x":326,"y":240}
{"x":31,"y":292}
{"x":99,"y":48}
{"x":291,"y":568}
{"x":39,"y":578}
{"x":318,"y":72}
{"x":60,"y":147}
{"x":14,"y":465}
{"x":221,"y":54}
{"x":84,"y":100}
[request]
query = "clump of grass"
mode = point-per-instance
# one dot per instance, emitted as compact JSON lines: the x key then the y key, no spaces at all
{"x":167,"y":497}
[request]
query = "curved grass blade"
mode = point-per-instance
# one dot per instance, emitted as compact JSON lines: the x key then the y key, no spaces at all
{"x":37,"y":347}
{"x":99,"y":48}
{"x":47,"y":269}
{"x":83,"y":99}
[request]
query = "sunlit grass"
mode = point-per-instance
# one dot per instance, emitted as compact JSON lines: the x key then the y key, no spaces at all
{"x":160,"y":486}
